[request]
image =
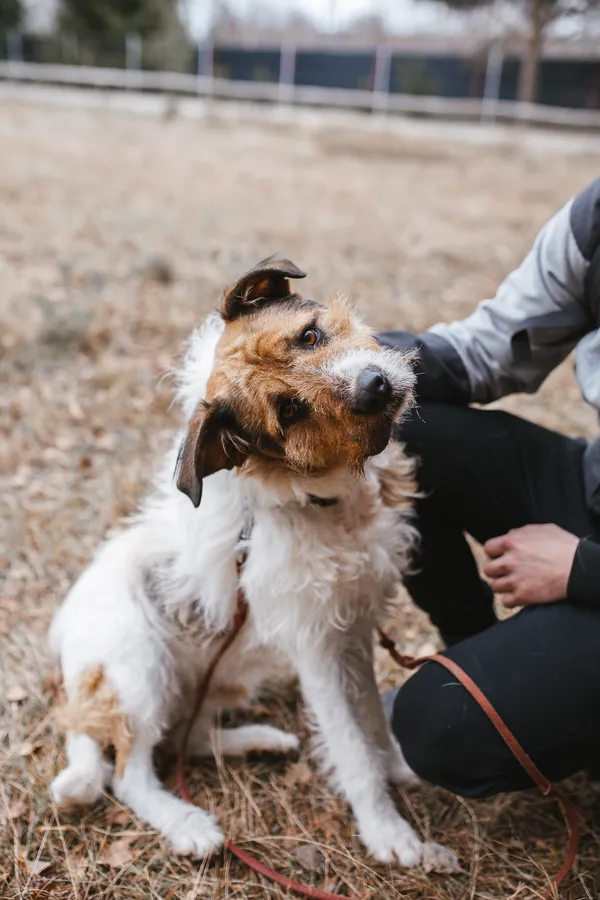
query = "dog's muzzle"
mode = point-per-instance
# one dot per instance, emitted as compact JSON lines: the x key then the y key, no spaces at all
{"x":374,"y":393}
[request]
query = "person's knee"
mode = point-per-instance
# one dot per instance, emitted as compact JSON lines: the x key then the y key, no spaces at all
{"x":436,"y":741}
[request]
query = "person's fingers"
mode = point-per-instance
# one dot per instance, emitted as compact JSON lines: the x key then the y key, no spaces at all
{"x":510,"y":601}
{"x":503,"y":585}
{"x":496,"y":546}
{"x":502,"y":565}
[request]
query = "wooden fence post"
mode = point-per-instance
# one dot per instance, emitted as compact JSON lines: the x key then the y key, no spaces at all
{"x":493,"y":81}
{"x":381,"y":78}
{"x":287,"y":72}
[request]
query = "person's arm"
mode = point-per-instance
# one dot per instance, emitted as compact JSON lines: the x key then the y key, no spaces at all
{"x":441,"y":373}
{"x":583,"y":587}
{"x":511,"y":343}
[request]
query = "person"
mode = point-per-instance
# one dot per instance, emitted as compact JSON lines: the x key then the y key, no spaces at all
{"x":531,"y":497}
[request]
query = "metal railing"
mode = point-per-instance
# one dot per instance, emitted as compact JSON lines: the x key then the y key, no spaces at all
{"x":379,"y":100}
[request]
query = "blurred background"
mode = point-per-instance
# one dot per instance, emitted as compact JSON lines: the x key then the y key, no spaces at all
{"x":403,"y":152}
{"x":542,"y":51}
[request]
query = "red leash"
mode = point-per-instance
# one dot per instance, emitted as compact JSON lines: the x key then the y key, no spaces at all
{"x":408,"y":662}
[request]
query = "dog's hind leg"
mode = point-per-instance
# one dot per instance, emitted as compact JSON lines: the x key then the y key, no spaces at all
{"x":242,"y":740}
{"x":82,"y":782}
{"x":190,"y":830}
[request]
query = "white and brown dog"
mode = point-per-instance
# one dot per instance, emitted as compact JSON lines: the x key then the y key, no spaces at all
{"x":289,"y":408}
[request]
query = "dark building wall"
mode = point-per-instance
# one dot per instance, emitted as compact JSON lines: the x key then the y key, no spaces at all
{"x":570,"y":84}
{"x":335,"y":70}
{"x":246,"y":65}
{"x":440,"y":76}
{"x":510,"y":79}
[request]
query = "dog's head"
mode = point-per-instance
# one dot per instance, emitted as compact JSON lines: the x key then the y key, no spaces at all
{"x":295,"y":385}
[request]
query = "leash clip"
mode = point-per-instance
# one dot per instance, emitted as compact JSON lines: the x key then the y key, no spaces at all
{"x":243,"y":541}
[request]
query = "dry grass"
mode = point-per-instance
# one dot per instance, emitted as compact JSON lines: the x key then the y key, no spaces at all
{"x":116,"y":236}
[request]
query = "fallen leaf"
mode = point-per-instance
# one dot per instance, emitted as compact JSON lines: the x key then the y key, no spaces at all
{"x":515,"y":844}
{"x":328,"y":823}
{"x":118,"y":854}
{"x":27,"y":749}
{"x":310,"y":858}
{"x":52,"y":684}
{"x":298,"y":773}
{"x":75,"y":410}
{"x":37,"y":866}
{"x":77,"y":865}
{"x":16,"y":694}
{"x":17,"y":809}
{"x":118,"y":816}
{"x":9,"y":604}
{"x":105,"y":442}
{"x":441,"y":860}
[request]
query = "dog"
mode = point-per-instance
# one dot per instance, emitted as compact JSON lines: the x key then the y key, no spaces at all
{"x":289,"y":408}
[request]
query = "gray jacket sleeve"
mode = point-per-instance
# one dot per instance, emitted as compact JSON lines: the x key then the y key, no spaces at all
{"x":511,"y":343}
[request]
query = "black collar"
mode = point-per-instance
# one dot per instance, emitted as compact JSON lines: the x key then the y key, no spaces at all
{"x":313,"y":500}
{"x":322,"y":501}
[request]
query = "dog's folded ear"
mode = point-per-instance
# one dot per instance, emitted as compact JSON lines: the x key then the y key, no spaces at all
{"x":212,"y":443}
{"x":266,"y":283}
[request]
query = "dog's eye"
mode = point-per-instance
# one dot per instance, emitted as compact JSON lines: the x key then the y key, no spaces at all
{"x":310,"y":337}
{"x":292,"y":411}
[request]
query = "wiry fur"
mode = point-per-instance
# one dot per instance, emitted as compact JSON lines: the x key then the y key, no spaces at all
{"x":141,"y":624}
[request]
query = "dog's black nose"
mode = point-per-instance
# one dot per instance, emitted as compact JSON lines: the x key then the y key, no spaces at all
{"x":373,"y":393}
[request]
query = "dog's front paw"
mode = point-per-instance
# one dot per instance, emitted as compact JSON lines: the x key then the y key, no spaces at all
{"x":393,"y":842}
{"x":79,"y":787}
{"x":195,"y":833}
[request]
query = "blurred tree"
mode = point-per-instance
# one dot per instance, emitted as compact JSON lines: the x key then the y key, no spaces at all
{"x":100,"y":27}
{"x":11,"y":15}
{"x":539,"y":15}
{"x":93,"y":19}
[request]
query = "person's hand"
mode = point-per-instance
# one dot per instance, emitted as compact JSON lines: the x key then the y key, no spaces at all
{"x":531,"y":565}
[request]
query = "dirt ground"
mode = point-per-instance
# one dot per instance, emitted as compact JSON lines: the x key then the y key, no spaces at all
{"x":117,"y":234}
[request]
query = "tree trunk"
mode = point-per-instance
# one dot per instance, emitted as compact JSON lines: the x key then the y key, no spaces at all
{"x":530,"y":60}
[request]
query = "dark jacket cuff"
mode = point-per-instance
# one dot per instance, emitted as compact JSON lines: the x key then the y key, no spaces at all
{"x":440,"y":371}
{"x":583,"y":587}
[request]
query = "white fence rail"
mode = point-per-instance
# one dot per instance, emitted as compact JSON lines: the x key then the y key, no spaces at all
{"x":379,"y":101}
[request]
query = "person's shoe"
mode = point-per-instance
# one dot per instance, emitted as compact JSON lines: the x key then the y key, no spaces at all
{"x":388,"y":698}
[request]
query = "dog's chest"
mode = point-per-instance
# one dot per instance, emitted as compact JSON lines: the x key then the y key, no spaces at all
{"x":308,"y":568}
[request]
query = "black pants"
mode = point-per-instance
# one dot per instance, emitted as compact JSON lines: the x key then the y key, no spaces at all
{"x":484,"y":473}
